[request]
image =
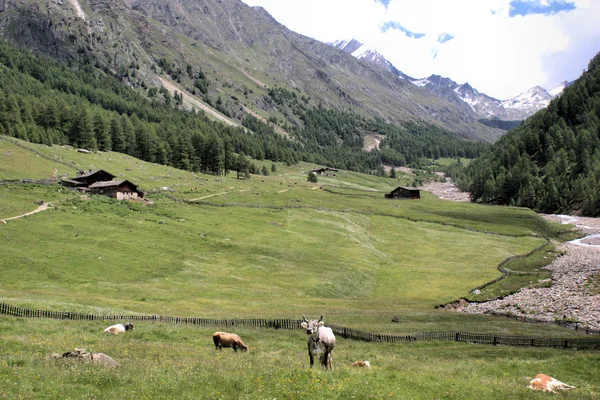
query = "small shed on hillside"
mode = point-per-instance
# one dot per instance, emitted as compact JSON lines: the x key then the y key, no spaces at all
{"x":325,"y":171}
{"x":499,"y":201}
{"x":121,"y":190}
{"x":404,"y":193}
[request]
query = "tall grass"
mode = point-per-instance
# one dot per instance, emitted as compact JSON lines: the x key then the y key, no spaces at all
{"x":180,"y":362}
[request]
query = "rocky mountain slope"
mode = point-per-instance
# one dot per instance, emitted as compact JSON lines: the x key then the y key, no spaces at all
{"x":464,"y":95}
{"x":237,"y":51}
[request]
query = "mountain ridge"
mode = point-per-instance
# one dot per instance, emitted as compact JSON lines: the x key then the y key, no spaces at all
{"x":516,"y":108}
{"x":228,"y":41}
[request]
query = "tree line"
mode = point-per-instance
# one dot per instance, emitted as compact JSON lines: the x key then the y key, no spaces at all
{"x":48,"y":102}
{"x":551,"y":163}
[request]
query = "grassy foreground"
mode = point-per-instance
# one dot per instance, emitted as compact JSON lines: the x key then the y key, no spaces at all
{"x":272,"y":246}
{"x":179,"y":362}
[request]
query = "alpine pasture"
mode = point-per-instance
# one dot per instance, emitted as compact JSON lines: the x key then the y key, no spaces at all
{"x":271,"y":246}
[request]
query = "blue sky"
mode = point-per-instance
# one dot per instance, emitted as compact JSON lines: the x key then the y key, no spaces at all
{"x":501,"y":47}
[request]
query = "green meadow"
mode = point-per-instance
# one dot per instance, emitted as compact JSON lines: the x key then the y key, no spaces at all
{"x":271,"y":246}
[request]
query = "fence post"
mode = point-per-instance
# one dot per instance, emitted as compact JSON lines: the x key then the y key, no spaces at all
{"x":457,"y":336}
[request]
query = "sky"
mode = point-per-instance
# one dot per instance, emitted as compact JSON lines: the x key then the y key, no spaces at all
{"x":500,"y":47}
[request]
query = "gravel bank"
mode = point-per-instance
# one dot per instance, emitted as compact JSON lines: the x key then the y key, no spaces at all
{"x":569,"y":296}
{"x":446,"y":190}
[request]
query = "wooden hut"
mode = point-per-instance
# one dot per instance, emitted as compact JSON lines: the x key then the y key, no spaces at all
{"x":499,"y":201}
{"x":91,"y":177}
{"x":121,"y":190}
{"x":325,"y":171}
{"x":73,"y":184}
{"x":404,"y":193}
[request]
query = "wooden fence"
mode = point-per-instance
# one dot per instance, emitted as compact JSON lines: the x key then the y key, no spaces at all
{"x":348,"y":333}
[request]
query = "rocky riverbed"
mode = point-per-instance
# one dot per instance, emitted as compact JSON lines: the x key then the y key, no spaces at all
{"x":446,"y":190}
{"x":575,"y":276}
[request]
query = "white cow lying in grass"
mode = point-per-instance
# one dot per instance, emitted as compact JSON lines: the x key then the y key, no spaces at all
{"x":320,"y":342}
{"x":119,"y":328}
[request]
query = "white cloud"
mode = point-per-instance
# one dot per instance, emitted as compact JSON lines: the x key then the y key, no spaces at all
{"x":497,"y":54}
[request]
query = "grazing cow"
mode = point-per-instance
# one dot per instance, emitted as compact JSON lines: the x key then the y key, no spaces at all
{"x":321,"y":342}
{"x":119,"y":328}
{"x":548,"y":384}
{"x":222,"y":339}
{"x":363,"y":364}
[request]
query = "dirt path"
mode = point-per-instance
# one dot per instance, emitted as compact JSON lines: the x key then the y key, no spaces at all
{"x":37,"y":210}
{"x":78,"y":9}
{"x":209,"y":196}
{"x":277,"y":128}
{"x":252,"y":78}
{"x":194,"y":102}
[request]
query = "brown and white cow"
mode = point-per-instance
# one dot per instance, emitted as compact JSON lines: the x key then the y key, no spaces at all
{"x":321,"y":342}
{"x":361,"y":364}
{"x":223,"y":339}
{"x":548,"y":384}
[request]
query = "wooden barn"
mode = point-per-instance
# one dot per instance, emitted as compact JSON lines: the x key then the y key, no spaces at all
{"x":404,"y":193}
{"x":121,"y":190}
{"x":499,"y":201}
{"x":71,"y":183}
{"x":325,"y":171}
{"x":91,"y":177}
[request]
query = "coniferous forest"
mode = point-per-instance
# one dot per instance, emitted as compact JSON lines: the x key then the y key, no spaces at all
{"x":44,"y":101}
{"x":551,"y":163}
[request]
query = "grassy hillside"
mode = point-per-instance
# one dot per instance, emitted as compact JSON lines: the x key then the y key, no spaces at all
{"x":280,"y":241}
{"x":269,"y":246}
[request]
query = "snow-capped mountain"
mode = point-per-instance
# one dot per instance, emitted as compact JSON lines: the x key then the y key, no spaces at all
{"x":516,"y":108}
{"x":463,"y":95}
{"x":559,"y":89}
{"x":366,"y":53}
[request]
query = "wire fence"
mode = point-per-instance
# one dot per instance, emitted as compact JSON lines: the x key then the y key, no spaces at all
{"x":291,"y":324}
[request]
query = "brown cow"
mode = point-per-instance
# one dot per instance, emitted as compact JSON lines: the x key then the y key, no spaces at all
{"x":548,"y":384}
{"x":223,"y":339}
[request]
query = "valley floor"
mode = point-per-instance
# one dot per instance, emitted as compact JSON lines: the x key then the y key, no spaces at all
{"x":571,"y":295}
{"x":574,"y":292}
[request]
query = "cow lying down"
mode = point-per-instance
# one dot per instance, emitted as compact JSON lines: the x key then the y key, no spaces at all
{"x":547,"y":384}
{"x":362,"y":364}
{"x":223,"y":339}
{"x":119,"y":328}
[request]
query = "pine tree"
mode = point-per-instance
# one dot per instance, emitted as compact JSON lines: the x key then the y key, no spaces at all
{"x":101,"y":132}
{"x":116,"y":134}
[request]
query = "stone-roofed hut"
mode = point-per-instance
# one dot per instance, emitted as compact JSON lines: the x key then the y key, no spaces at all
{"x":119,"y":189}
{"x":90,"y":177}
{"x":325,"y":171}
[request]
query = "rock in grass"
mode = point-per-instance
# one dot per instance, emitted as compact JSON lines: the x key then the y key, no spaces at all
{"x":84,"y":355}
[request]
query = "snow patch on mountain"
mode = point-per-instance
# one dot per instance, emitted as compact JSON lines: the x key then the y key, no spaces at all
{"x":559,"y":89}
{"x":534,"y":99}
{"x":463,"y":95}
